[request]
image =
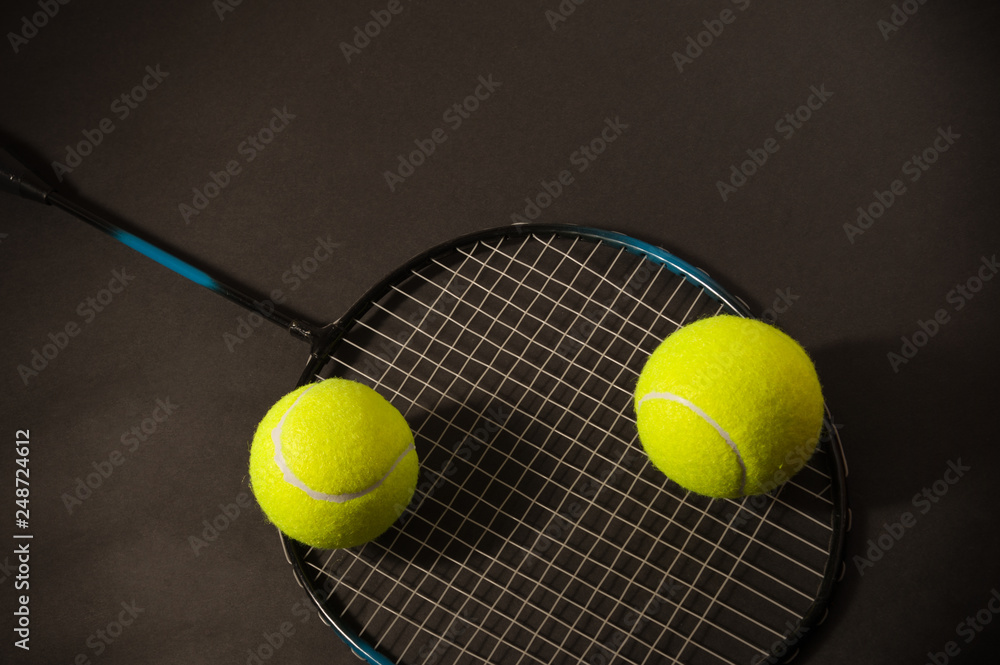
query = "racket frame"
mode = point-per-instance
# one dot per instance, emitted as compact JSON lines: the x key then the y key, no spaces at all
{"x":331,"y":335}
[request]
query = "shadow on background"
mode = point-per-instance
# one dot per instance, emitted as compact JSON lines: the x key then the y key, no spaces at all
{"x":900,"y":431}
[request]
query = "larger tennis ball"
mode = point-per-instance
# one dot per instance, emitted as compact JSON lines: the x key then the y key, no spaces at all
{"x":333,"y":464}
{"x":729,"y":407}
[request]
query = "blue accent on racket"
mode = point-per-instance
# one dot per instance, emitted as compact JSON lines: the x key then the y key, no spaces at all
{"x":166,"y":260}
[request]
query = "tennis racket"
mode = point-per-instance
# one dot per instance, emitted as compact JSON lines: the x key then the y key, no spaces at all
{"x":539,"y":531}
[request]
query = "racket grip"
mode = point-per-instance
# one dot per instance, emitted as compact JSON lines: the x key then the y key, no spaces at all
{"x":18,"y":179}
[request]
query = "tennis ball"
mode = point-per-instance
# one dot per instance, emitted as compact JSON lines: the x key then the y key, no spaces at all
{"x":729,"y":407}
{"x":332,"y":464}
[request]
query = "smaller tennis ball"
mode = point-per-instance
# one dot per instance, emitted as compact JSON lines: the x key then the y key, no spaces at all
{"x":729,"y":407}
{"x":333,"y":464}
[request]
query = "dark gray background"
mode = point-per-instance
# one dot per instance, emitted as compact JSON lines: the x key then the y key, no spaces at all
{"x":163,"y":338}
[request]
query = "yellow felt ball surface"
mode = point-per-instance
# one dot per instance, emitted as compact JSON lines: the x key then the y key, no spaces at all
{"x":729,"y":407}
{"x":332,"y":464}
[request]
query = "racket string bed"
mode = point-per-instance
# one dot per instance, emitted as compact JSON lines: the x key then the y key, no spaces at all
{"x":539,"y":532}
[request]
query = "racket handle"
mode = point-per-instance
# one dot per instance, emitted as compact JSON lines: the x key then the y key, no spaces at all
{"x":18,"y":179}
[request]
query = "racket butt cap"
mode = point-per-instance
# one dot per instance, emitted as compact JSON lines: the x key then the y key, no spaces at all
{"x":16,"y":178}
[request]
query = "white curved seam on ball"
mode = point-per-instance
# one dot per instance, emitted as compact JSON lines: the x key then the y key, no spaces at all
{"x":708,"y":419}
{"x":294,"y":480}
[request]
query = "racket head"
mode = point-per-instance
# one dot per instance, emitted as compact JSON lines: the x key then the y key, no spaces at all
{"x":539,"y":531}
